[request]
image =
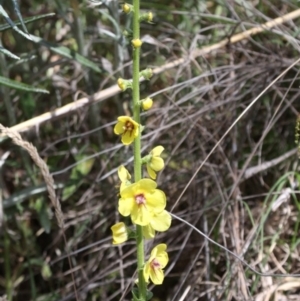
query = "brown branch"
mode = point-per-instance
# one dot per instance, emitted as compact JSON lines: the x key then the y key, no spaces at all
{"x":250,"y":172}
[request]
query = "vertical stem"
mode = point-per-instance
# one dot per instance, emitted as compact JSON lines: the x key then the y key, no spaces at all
{"x":136,"y":89}
{"x":8,"y":278}
{"x":137,"y":145}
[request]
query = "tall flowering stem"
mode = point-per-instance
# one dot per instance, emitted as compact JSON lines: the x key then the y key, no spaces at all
{"x":137,"y":144}
{"x":139,"y":198}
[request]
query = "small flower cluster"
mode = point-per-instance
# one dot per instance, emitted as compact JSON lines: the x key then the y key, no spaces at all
{"x":146,"y":206}
{"x":143,"y":202}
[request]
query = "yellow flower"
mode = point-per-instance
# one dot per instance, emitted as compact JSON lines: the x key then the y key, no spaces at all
{"x":147,"y":103}
{"x":156,"y":163}
{"x":128,"y":128}
{"x":141,"y":200}
{"x":153,"y":268}
{"x":120,"y":233}
{"x":159,"y":222}
{"x":124,"y":177}
{"x":136,"y":43}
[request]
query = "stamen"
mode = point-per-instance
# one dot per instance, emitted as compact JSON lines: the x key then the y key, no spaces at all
{"x":140,"y":199}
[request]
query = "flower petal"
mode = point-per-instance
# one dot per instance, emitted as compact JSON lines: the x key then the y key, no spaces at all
{"x":124,"y":119}
{"x":127,"y":138}
{"x":161,"y":222}
{"x":119,"y":128}
{"x":151,"y":172}
{"x":146,"y":271}
{"x":157,"y":276}
{"x":156,"y":200}
{"x":140,"y":215}
{"x":123,"y":174}
{"x":126,"y":205}
{"x":159,"y":249}
{"x":157,"y":163}
{"x":148,"y":232}
{"x":157,"y":150}
{"x":147,"y":184}
{"x":120,"y":234}
{"x":163,"y":259}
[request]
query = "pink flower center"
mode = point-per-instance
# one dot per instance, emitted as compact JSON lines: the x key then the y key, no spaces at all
{"x":155,"y":264}
{"x":140,"y":199}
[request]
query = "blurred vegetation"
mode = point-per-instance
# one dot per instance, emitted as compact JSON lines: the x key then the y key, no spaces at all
{"x":73,"y":49}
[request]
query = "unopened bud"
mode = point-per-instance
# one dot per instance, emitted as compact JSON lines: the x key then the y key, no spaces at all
{"x":147,"y":17}
{"x":136,"y":43}
{"x":146,"y":73}
{"x":124,"y":84}
{"x":147,"y":103}
{"x":127,"y":8}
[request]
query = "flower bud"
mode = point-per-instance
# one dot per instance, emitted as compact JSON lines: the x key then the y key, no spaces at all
{"x":136,"y":43}
{"x":127,"y":8}
{"x":124,"y":84}
{"x":146,"y":73}
{"x":127,"y":34}
{"x":147,"y":103}
{"x":120,"y":233}
{"x":147,"y":17}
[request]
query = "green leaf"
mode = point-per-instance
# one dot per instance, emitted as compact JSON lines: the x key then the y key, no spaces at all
{"x":46,"y":271}
{"x":26,"y":21}
{"x":149,"y":295}
{"x":43,"y":215}
{"x":66,"y":52}
{"x":76,"y":179}
{"x":17,"y":198}
{"x":17,"y":10}
{"x":27,"y":104}
{"x":8,"y":53}
{"x":135,"y":293}
{"x":20,"y":86}
{"x":12,"y":24}
{"x":61,"y":50}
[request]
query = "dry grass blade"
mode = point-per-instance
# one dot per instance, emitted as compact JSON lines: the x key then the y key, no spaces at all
{"x":114,"y":90}
{"x":32,"y":151}
{"x":251,"y":171}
